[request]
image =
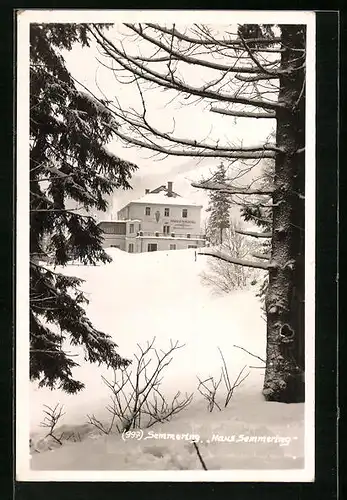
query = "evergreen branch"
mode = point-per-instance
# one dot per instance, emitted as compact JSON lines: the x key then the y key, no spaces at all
{"x":62,"y":210}
{"x":66,"y":123}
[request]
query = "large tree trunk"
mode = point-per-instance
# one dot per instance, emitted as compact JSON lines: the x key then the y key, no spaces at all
{"x":284,"y":380}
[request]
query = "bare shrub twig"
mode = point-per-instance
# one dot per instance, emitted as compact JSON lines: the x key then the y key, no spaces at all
{"x":209,"y":388}
{"x":136,"y":397}
{"x":209,"y":391}
{"x":50,"y":421}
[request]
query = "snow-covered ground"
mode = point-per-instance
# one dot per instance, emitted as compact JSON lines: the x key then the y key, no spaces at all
{"x":141,"y":296}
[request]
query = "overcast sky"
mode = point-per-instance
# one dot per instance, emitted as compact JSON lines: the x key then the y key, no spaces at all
{"x":191,"y":121}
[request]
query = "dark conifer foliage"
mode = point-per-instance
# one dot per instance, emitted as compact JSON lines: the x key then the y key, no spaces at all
{"x":69,"y":166}
{"x":219,"y":209}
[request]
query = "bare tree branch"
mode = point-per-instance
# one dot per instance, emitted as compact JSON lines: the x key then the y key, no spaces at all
{"x":191,"y":60}
{"x":146,"y":126}
{"x":198,"y":41}
{"x":256,"y":78}
{"x":254,"y":234}
{"x":238,"y":154}
{"x":254,"y":59}
{"x":242,"y":114}
{"x":261,"y":256}
{"x":161,"y":79}
{"x":254,"y":355}
{"x":224,"y":188}
{"x":241,"y":262}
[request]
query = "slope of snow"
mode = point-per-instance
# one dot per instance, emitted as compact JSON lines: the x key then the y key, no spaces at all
{"x":224,"y":440}
{"x":159,"y":294}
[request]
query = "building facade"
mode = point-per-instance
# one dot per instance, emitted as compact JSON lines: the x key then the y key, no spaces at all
{"x":160,"y":220}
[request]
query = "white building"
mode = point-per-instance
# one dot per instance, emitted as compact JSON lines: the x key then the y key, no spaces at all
{"x":160,"y":220}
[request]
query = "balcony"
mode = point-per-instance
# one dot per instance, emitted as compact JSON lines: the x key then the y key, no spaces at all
{"x":171,"y":235}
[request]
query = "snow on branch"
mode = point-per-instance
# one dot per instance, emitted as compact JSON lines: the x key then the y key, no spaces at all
{"x":192,"y":60}
{"x":237,"y":153}
{"x":241,"y":262}
{"x":254,"y":234}
{"x":213,"y":41}
{"x":141,"y":125}
{"x":225,"y":188}
{"x":261,"y":256}
{"x":242,"y":114}
{"x":168,"y":80}
{"x":255,"y":78}
{"x":254,"y":59}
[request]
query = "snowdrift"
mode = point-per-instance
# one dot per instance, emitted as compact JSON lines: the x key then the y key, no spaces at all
{"x":160,"y":294}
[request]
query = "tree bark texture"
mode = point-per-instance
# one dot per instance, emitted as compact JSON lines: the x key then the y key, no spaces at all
{"x":284,"y":379}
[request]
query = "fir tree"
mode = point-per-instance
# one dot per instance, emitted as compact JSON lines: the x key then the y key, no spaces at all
{"x":69,"y":131}
{"x":219,"y":209}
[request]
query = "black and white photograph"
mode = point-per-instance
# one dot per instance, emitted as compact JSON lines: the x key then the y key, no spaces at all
{"x":165,"y":245}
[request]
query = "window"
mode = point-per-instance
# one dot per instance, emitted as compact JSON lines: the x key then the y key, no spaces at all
{"x":184,"y":213}
{"x":131,"y":228}
{"x":166,"y":212}
{"x":148,"y":211}
{"x":192,"y":246}
{"x":113,"y":227}
{"x":166,"y":229}
{"x":172,"y":246}
{"x":152,"y":247}
{"x":131,"y":248}
{"x":119,"y":228}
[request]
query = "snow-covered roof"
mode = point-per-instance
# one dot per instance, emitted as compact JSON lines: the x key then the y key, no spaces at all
{"x":118,"y":220}
{"x":162,"y":199}
{"x":110,"y":220}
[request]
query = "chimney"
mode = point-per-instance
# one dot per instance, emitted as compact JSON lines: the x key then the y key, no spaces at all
{"x":146,"y":191}
{"x":169,"y":188}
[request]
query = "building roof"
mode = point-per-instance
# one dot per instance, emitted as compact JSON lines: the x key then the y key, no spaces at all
{"x":123,"y":221}
{"x":163,"y":188}
{"x":162,"y":199}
